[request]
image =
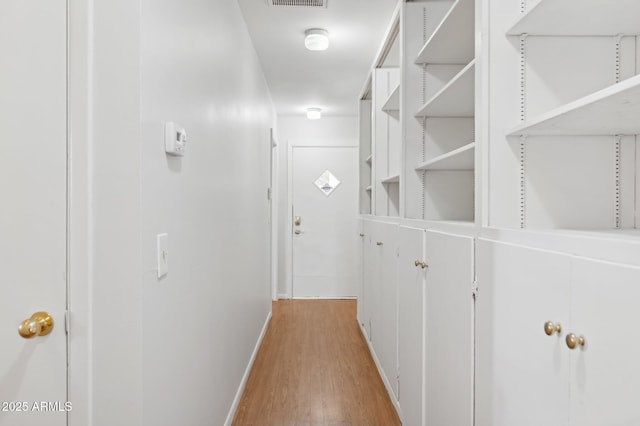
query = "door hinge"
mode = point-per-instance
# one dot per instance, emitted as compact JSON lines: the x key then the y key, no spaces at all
{"x":269,"y":194}
{"x":474,"y":289}
{"x":67,"y":322}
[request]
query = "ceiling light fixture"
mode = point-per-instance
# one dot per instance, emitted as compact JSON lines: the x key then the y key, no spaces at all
{"x":314,"y":113}
{"x":316,"y":39}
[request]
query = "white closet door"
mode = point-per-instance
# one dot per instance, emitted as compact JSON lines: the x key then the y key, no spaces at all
{"x":449,"y":330}
{"x":411,"y":294}
{"x":605,"y":376}
{"x":521,"y":373}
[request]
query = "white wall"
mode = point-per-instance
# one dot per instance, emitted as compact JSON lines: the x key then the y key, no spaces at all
{"x":328,"y":131}
{"x":202,"y":321}
{"x":105,"y":356}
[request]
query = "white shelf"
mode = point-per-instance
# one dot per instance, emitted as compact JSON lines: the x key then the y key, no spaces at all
{"x":369,"y":159}
{"x":458,"y":159}
{"x":393,"y":101}
{"x":456,"y":99}
{"x":614,"y":110}
{"x":368,"y":188}
{"x":580,"y":17}
{"x":391,"y":179}
{"x":453,"y":41}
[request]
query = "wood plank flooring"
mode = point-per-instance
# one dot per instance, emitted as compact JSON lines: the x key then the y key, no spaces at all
{"x":314,"y":368}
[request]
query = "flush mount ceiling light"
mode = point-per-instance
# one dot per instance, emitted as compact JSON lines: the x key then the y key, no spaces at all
{"x":316,"y":39}
{"x":314,"y":113}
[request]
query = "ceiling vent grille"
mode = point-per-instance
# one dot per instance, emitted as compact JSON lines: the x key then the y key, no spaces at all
{"x":304,"y":3}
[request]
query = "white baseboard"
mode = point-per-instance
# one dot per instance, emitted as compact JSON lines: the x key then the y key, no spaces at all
{"x":245,"y":377}
{"x":385,"y":380}
{"x":325,"y":298}
{"x":284,"y":296}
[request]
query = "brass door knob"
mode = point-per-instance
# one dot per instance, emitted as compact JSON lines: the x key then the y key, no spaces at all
{"x":40,"y":324}
{"x":423,"y":265}
{"x":550,"y":328}
{"x":574,"y":341}
{"x":378,"y":243}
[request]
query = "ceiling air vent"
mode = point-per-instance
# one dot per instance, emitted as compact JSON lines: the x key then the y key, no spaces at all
{"x":305,"y":3}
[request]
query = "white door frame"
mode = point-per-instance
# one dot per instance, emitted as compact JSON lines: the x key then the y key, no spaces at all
{"x":273,"y":206}
{"x":300,"y":143}
{"x":79,"y":223}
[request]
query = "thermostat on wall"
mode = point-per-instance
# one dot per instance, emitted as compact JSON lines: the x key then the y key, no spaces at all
{"x":175,"y":139}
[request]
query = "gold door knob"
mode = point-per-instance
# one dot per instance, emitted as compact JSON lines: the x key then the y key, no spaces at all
{"x":379,"y":243}
{"x":550,"y":328}
{"x":40,"y":324}
{"x":423,"y":265}
{"x":574,"y":341}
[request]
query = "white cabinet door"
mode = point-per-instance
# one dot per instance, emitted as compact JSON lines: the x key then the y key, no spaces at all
{"x":367,"y":277}
{"x":411,"y":325}
{"x":360,"y":274}
{"x":605,"y":376}
{"x":389,"y":297}
{"x":376,"y":267}
{"x":449,"y":330}
{"x":521,"y":373}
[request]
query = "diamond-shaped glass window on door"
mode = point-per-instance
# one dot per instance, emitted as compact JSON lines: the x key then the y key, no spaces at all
{"x":327,"y":182}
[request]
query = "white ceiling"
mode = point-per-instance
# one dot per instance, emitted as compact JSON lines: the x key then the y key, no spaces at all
{"x":332,"y":80}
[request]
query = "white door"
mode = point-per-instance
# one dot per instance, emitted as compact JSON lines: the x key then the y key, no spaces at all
{"x":449,"y":330}
{"x":605,"y":377}
{"x":521,"y":372}
{"x":33,"y":211}
{"x":325,"y":230}
{"x":411,"y":276}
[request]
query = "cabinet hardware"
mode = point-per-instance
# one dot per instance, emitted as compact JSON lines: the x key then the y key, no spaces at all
{"x":550,"y":328}
{"x":361,"y":234}
{"x":423,"y":265}
{"x":574,"y":341}
{"x":297,"y":232}
{"x":379,"y":243}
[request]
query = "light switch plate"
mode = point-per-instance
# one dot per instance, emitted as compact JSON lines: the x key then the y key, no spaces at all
{"x":163,"y":254}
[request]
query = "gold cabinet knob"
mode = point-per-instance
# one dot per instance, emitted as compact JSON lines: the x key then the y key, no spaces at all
{"x":40,"y":324}
{"x":550,"y":328}
{"x":361,"y":234}
{"x":574,"y":341}
{"x":297,"y":232}
{"x":378,"y":243}
{"x":423,"y":265}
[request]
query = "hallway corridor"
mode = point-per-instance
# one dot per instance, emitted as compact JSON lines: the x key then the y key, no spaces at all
{"x":314,"y":368}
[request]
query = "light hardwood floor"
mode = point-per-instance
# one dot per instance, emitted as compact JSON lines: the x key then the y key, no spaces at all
{"x":314,"y":368}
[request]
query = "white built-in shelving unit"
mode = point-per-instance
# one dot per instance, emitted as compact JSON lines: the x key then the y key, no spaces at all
{"x":439,"y":101}
{"x":512,"y":124}
{"x":571,"y":95}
